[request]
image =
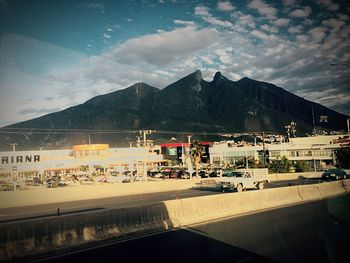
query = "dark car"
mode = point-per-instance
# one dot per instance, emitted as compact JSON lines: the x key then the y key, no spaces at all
{"x":54,"y":182}
{"x":334,"y":174}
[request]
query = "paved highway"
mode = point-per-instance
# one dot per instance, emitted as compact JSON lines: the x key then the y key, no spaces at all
{"x":47,"y":210}
{"x":311,"y":232}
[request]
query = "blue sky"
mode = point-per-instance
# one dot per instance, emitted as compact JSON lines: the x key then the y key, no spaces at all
{"x":57,"y":54}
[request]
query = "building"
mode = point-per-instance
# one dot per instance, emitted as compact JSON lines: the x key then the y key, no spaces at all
{"x":318,"y":150}
{"x":175,"y":152}
{"x":88,"y":157}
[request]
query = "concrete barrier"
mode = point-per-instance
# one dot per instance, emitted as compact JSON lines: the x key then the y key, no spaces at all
{"x":293,"y":176}
{"x":310,"y":192}
{"x":332,"y":188}
{"x":25,"y":238}
{"x":20,"y":239}
{"x":195,"y":210}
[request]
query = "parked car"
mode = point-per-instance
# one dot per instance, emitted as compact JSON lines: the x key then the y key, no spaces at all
{"x":54,"y":182}
{"x":334,"y":174}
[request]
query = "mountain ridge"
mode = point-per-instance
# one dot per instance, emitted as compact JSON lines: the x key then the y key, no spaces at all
{"x":190,"y":104}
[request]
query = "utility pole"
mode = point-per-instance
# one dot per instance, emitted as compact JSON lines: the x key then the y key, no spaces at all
{"x":189,"y":139}
{"x":313,"y":120}
{"x":188,"y":157}
{"x":264,"y":153}
{"x":348,"y":122}
{"x":145,"y":143}
{"x":89,"y":153}
{"x":143,"y":134}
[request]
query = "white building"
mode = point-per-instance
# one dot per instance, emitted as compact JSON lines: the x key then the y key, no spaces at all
{"x":314,"y":149}
{"x":92,"y":157}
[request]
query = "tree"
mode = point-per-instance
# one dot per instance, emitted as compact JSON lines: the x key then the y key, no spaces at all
{"x":280,"y":166}
{"x":303,"y":166}
{"x":342,"y":156}
{"x":196,"y":153}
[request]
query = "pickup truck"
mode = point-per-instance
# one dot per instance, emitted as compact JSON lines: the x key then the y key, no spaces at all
{"x":243,"y":179}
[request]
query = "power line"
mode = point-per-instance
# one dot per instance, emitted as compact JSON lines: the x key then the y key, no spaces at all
{"x":30,"y":131}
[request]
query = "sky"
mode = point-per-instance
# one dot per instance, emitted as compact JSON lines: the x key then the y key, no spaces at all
{"x":57,"y":54}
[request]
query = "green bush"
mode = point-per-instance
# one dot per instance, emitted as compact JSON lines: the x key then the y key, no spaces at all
{"x":303,"y":166}
{"x":280,"y":166}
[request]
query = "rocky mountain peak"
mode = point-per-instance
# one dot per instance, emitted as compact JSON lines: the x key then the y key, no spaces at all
{"x":217,"y":78}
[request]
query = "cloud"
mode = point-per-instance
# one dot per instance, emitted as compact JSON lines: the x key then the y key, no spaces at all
{"x":317,"y":34}
{"x":301,"y":13}
{"x":247,"y":20}
{"x":207,"y":60}
{"x":332,"y":41}
{"x":263,"y":36}
{"x":281,"y":22}
{"x":289,"y":2}
{"x":225,"y":6}
{"x":268,"y":28}
{"x":225,"y":55}
{"x":203,"y":12}
{"x":263,"y":8}
{"x":186,"y":23}
{"x":333,"y":23}
{"x":163,"y":48}
{"x":40,"y":111}
{"x":303,"y":38}
{"x":343,"y":17}
{"x":329,"y":4}
{"x":295,"y":29}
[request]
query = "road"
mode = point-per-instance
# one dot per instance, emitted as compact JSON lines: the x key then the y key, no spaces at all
{"x":48,"y":210}
{"x":312,"y":232}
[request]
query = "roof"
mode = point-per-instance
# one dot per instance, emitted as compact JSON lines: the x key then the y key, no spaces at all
{"x":185,"y":144}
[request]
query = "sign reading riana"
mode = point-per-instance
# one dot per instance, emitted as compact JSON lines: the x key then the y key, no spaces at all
{"x":20,"y":159}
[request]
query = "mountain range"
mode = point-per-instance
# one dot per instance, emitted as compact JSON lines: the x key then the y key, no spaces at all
{"x":190,"y":104}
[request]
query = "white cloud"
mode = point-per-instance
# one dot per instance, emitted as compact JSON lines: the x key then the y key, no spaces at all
{"x":186,"y":23}
{"x":263,"y":8}
{"x":207,"y":60}
{"x":345,"y":32}
{"x":317,"y":34}
{"x":334,"y":23}
{"x":225,"y":55}
{"x":332,"y":41}
{"x":203,"y":12}
{"x":329,"y":4}
{"x":263,"y":36}
{"x":247,"y":20}
{"x":289,"y":2}
{"x":343,"y":17}
{"x":301,"y":13}
{"x":268,"y":28}
{"x":164,"y":48}
{"x":225,"y":6}
{"x":295,"y":29}
{"x":303,"y":38}
{"x":281,"y":22}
